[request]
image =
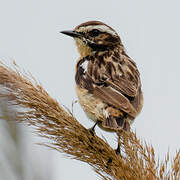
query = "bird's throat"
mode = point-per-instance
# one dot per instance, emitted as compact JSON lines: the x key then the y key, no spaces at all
{"x":83,"y":49}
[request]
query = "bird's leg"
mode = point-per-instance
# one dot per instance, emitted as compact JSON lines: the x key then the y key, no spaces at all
{"x":91,"y":130}
{"x":118,"y":150}
{"x":126,"y":127}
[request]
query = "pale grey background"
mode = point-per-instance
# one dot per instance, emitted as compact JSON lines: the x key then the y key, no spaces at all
{"x":29,"y":33}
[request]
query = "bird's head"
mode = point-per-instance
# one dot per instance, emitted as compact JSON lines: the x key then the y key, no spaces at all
{"x":94,"y":36}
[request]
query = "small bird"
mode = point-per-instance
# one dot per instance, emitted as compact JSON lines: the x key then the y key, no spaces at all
{"x":108,"y":82}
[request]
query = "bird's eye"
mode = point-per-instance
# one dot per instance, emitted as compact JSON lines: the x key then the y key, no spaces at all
{"x":94,"y":32}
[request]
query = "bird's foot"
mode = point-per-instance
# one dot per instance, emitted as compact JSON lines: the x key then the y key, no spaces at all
{"x":118,"y":150}
{"x":92,"y":130}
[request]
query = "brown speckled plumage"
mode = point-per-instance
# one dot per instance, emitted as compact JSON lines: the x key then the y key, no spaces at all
{"x":107,"y":79}
{"x":113,"y":78}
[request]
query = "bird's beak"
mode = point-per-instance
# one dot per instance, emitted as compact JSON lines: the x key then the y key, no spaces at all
{"x":71,"y":33}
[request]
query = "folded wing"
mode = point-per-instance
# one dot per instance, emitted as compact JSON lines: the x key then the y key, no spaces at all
{"x":116,"y":82}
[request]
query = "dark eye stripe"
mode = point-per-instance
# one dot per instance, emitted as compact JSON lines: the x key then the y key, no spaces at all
{"x":94,"y":32}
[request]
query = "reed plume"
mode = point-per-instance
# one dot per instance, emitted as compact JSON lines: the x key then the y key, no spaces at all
{"x":33,"y":106}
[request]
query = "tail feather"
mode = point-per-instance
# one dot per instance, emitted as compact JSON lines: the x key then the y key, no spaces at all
{"x":113,"y":122}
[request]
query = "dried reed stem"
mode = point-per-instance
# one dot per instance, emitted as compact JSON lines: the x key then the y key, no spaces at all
{"x":36,"y":108}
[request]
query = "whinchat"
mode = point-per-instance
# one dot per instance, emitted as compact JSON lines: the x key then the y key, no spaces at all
{"x":108,"y":82}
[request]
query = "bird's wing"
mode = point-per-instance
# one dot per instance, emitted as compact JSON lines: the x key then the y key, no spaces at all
{"x":114,"y":80}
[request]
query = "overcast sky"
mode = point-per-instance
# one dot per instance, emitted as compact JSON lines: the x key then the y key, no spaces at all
{"x":29,"y":33}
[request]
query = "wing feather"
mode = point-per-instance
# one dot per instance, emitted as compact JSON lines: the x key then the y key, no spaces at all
{"x":116,"y":82}
{"x":123,"y":86}
{"x":115,"y":99}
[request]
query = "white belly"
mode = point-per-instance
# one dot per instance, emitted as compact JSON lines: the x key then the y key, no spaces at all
{"x":93,"y":107}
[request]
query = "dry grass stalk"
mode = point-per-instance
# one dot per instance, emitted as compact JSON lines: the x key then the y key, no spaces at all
{"x":36,"y":108}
